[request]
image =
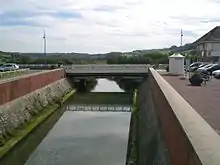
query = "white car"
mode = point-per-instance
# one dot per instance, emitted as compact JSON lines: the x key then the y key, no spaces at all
{"x":216,"y":73}
{"x":204,"y":67}
{"x":8,"y":67}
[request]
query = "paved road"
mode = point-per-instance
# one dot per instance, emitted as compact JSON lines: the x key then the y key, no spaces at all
{"x":204,"y":99}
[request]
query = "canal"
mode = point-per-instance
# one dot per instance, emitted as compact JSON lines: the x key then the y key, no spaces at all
{"x":78,"y":137}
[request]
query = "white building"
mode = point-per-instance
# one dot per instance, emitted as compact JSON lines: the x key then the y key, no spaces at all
{"x":176,"y":64}
{"x":208,"y":46}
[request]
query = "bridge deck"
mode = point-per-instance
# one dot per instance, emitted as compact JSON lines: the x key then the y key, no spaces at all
{"x":106,"y":69}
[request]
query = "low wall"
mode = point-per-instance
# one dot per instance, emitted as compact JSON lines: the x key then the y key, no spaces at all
{"x":19,"y":111}
{"x":189,"y":138}
{"x":20,"y":86}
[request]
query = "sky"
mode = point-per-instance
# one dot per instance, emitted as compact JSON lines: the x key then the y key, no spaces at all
{"x":100,"y":26}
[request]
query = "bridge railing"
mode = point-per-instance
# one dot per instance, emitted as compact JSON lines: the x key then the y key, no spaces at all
{"x":39,"y":66}
{"x":87,"y":66}
{"x":108,"y":67}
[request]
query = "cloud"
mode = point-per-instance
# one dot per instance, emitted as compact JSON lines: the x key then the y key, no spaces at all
{"x":17,"y":18}
{"x":103,"y":26}
{"x":28,"y":18}
{"x":105,"y":8}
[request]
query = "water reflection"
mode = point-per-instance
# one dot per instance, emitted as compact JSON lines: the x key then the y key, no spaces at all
{"x":90,"y":138}
{"x":105,"y":85}
{"x":84,"y":85}
{"x":128,"y":85}
{"x":113,"y":84}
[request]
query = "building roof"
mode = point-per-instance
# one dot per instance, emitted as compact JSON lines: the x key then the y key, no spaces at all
{"x":176,"y":56}
{"x":213,"y":35}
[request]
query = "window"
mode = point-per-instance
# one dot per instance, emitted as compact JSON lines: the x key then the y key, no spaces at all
{"x":8,"y":65}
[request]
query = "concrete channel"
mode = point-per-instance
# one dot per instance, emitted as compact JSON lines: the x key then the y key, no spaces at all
{"x":73,"y":137}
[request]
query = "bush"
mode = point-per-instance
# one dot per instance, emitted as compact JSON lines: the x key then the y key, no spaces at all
{"x":53,"y":66}
{"x":196,"y":79}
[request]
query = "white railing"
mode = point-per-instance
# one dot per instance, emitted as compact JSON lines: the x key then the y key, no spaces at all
{"x":12,"y":73}
{"x":110,"y":108}
{"x":125,"y":67}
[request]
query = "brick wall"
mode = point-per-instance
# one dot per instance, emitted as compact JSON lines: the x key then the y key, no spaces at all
{"x":27,"y":84}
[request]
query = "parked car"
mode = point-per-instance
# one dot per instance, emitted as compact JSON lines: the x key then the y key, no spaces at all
{"x":216,"y":74}
{"x":8,"y":67}
{"x":204,"y":67}
{"x":194,"y":66}
{"x":211,"y":69}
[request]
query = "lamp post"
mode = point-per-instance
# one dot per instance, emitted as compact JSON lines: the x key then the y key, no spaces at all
{"x":45,"y":46}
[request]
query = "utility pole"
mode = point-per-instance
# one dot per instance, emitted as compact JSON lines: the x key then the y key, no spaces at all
{"x":181,"y":38}
{"x":45,"y":46}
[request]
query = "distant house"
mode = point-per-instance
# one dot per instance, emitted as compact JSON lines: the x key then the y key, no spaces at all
{"x":208,"y":46}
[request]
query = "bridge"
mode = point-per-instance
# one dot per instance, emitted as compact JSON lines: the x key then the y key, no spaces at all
{"x":98,"y":70}
{"x":107,"y":70}
{"x":168,"y":126}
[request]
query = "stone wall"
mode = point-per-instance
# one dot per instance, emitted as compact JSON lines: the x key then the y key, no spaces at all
{"x":17,"y":112}
{"x":20,"y":86}
{"x":150,"y":143}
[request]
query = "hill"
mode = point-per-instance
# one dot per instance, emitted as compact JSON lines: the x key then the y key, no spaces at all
{"x":23,"y":57}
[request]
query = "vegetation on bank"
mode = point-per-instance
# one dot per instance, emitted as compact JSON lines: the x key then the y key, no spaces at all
{"x":10,"y":74}
{"x":149,"y":58}
{"x":11,"y":139}
{"x":132,"y":152}
{"x":50,"y":59}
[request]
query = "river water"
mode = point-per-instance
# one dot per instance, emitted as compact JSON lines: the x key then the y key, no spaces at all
{"x":79,"y":138}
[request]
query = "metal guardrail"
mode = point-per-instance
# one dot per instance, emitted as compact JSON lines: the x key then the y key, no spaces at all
{"x":40,"y":66}
{"x":12,"y":73}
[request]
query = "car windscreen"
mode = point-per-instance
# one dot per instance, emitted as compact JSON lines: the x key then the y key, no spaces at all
{"x":194,"y":64}
{"x":202,"y":65}
{"x":7,"y":65}
{"x":209,"y":65}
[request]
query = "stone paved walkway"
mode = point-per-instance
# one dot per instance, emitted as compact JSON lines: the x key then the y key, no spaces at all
{"x":205,"y":99}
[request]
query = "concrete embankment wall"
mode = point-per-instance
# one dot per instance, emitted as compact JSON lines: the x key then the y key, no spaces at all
{"x":151,"y":148}
{"x":188,"y":137}
{"x":47,"y":90}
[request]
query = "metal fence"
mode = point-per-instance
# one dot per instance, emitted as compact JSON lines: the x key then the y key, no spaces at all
{"x":40,"y":66}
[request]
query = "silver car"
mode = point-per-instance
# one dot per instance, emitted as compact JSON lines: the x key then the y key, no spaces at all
{"x":8,"y":67}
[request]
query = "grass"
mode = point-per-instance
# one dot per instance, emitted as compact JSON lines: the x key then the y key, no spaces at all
{"x":22,"y":132}
{"x":4,"y":75}
{"x":134,"y":98}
